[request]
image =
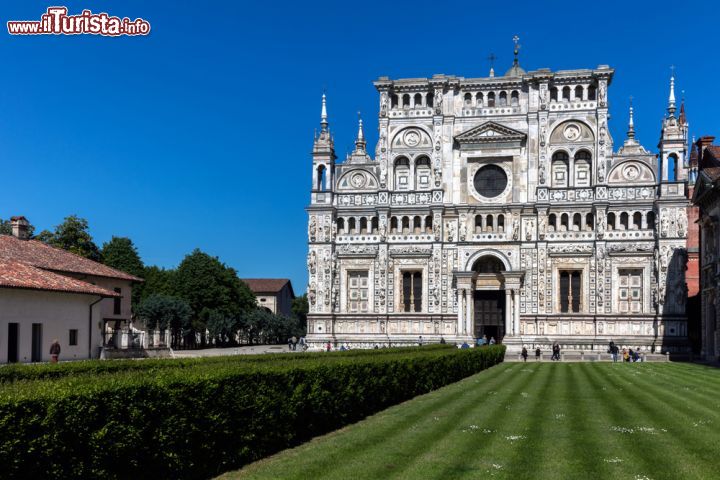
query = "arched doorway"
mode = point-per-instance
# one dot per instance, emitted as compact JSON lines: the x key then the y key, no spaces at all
{"x":489,"y":298}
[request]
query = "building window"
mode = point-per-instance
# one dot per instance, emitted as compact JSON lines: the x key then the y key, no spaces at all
{"x":560,"y":162}
{"x":630,"y":291}
{"x":117,"y":302}
{"x":490,"y":181}
{"x":411,"y":291}
{"x":73,"y":337}
{"x":358,"y":292}
{"x":570,"y":291}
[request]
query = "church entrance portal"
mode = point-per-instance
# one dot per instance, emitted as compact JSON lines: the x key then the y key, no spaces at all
{"x":490,"y":314}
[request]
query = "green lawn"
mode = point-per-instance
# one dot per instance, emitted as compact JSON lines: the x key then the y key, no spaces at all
{"x":530,"y":421}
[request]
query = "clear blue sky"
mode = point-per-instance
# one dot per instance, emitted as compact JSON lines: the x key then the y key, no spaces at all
{"x":199,"y":135}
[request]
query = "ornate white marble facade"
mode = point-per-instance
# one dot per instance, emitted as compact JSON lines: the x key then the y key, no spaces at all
{"x":498,"y":205}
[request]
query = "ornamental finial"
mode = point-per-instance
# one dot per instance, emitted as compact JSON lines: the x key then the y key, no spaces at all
{"x":323,"y":114}
{"x":671,"y":98}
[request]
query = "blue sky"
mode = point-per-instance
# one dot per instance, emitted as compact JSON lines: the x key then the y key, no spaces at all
{"x":199,"y":135}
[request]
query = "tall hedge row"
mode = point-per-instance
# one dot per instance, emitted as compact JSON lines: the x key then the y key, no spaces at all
{"x":201,"y":421}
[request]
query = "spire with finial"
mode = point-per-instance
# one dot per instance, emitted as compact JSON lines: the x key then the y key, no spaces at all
{"x":671,"y":99}
{"x":631,"y":123}
{"x":516,"y":70}
{"x":492,"y":59}
{"x":516,"y":39}
{"x":323,"y":115}
{"x":360,"y":140}
{"x":682,"y":117}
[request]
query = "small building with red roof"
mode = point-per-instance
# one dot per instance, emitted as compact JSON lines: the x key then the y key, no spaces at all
{"x":274,"y":294}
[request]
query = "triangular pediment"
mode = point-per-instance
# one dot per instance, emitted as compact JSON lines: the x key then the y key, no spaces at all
{"x":489,"y":132}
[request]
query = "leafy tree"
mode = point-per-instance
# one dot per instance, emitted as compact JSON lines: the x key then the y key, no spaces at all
{"x":300,"y":309}
{"x":72,"y":235}
{"x":222,"y":329}
{"x":209,"y":285}
{"x":157,"y":281}
{"x":164,"y":311}
{"x":120,"y":253}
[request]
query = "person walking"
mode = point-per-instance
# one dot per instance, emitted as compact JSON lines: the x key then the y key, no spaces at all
{"x":614,"y":351}
{"x":54,"y":351}
{"x":538,"y":352}
{"x":524,"y":354}
{"x":556,"y":352}
{"x":420,"y":341}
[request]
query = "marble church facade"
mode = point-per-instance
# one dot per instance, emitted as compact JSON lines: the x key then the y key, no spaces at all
{"x":498,"y":206}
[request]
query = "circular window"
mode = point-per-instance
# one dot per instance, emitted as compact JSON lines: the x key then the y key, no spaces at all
{"x":490,"y":181}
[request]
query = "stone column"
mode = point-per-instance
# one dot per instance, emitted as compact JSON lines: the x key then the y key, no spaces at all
{"x":516,"y":312}
{"x":469,"y":319}
{"x":508,"y":313}
{"x":459,"y":310}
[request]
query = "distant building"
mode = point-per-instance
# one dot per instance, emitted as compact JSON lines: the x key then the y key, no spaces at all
{"x":47,"y":293}
{"x":706,"y":195}
{"x":275,"y":294}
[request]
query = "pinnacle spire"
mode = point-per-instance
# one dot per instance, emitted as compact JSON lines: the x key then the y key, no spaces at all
{"x":323,"y":115}
{"x":360,"y":140}
{"x":671,"y":98}
{"x":631,"y":123}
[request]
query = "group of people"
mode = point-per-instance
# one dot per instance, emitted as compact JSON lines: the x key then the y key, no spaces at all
{"x":480,"y":342}
{"x":628,"y":355}
{"x":538,"y":353}
{"x":293,"y":343}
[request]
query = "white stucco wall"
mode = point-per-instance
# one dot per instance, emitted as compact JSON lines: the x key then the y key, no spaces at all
{"x":58,"y":313}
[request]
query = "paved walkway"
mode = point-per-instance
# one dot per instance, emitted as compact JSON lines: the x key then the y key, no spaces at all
{"x":243,"y":350}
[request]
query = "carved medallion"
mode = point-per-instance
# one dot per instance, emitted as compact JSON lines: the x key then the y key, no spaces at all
{"x":572,"y":132}
{"x":412,"y":138}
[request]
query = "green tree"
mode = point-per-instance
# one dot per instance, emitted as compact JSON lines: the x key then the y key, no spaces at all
{"x":166,"y":312}
{"x":157,"y":281}
{"x":300,"y":309}
{"x":209,"y":285}
{"x":72,"y":235}
{"x":120,"y":253}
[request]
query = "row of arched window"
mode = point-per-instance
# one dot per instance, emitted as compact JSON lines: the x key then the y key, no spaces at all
{"x":630,"y":220}
{"x":491,"y":99}
{"x":408,"y":100}
{"x":412,"y":175}
{"x":565,"y":222}
{"x":568,"y":93}
{"x":569,"y":222}
{"x":398,"y":225}
{"x":489,"y":223}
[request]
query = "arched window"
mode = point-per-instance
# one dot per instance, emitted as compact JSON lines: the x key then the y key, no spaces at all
{"x":501,"y":223}
{"x":591,"y":92}
{"x":405,"y":225}
{"x":428,"y":224}
{"x":406,"y":100}
{"x":491,"y":99}
{"x":560,"y":162}
{"x":468,"y":99}
{"x":672,"y":169}
{"x":637,"y":221}
{"x":402,"y":173}
{"x":489,"y":223}
{"x":479,"y":99}
{"x":374,"y":225}
{"x":393,"y":225}
{"x":577,"y":222}
{"x":393,"y":101}
{"x":478,"y":223}
{"x":488,"y":264}
{"x":341,"y":225}
{"x":650,"y":220}
{"x":422,"y":172}
{"x":514,"y":98}
{"x":611,"y":221}
{"x":566,"y":93}
{"x":430,"y":98}
{"x":579,"y":92}
{"x":363,"y":225}
{"x":589,"y":221}
{"x":553,"y":94}
{"x":417,"y":225}
{"x":352,"y":225}
{"x":552,"y":222}
{"x":503,"y":99}
{"x":320,"y":178}
{"x":417,"y":101}
{"x":582,"y":168}
{"x":624,"y":221}
{"x":564,"y":222}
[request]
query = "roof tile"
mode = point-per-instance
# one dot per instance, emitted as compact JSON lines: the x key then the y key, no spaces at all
{"x":21,"y":275}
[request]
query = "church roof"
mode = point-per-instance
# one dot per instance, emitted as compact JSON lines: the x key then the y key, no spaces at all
{"x":15,"y":274}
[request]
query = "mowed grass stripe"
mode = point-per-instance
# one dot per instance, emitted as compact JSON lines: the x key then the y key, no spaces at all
{"x":470,"y":452}
{"x":696,"y":448}
{"x":705,"y":387}
{"x":330,"y":454}
{"x":413,"y":440}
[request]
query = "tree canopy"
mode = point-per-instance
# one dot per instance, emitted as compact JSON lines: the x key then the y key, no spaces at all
{"x":72,"y":235}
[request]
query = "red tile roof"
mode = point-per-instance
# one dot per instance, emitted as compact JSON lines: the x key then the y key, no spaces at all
{"x":266,"y":285}
{"x":21,"y":275}
{"x":38,"y":254}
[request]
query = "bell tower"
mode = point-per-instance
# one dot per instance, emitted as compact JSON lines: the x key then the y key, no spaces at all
{"x":323,"y":155}
{"x":673,"y":142}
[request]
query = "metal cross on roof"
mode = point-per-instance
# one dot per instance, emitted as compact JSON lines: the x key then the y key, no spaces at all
{"x":492,"y":59}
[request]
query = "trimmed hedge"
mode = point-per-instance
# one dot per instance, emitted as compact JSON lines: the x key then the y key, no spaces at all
{"x":201,"y":421}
